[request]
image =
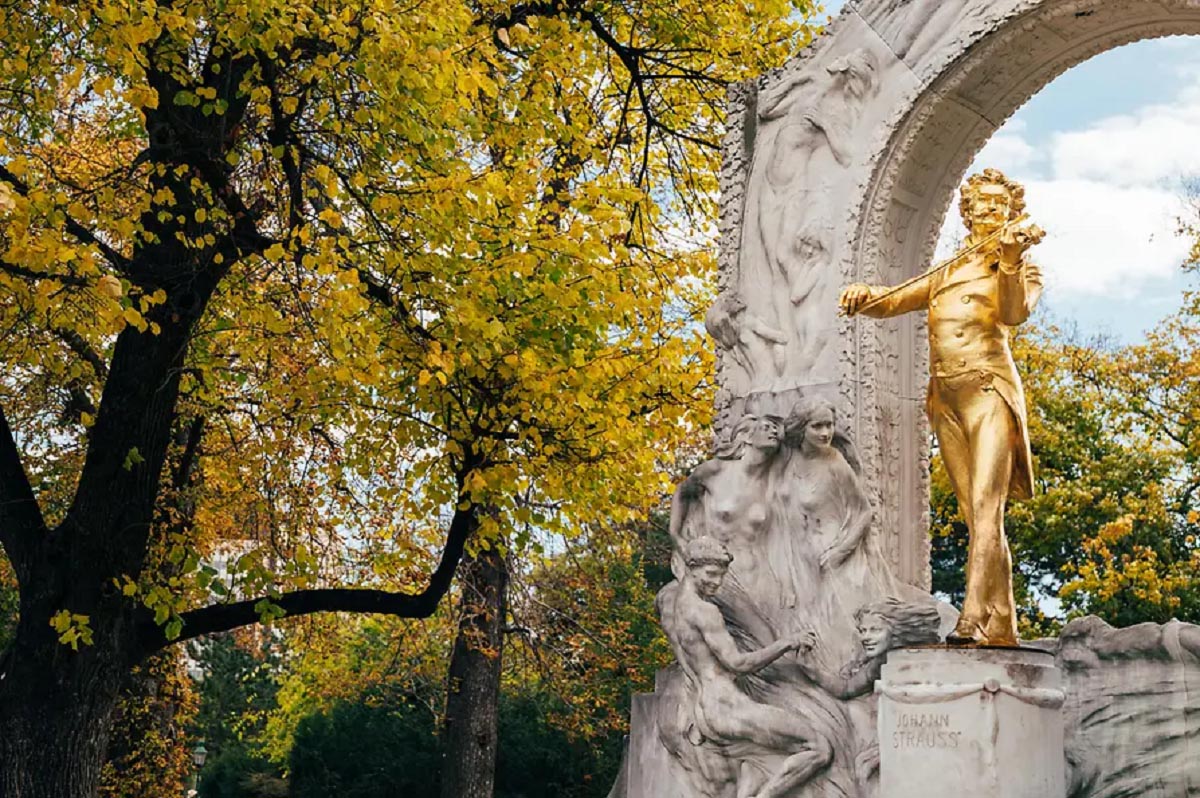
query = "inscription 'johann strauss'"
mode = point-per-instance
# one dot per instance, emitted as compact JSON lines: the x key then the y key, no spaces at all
{"x":924,"y":730}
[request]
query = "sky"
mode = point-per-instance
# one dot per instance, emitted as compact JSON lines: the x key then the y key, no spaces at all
{"x":1104,"y":153}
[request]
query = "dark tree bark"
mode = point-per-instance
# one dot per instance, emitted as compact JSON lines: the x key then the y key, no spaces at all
{"x":56,"y":702}
{"x":473,"y":692}
{"x":55,"y":705}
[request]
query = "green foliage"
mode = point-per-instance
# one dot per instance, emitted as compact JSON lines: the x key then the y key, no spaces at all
{"x":378,"y":746}
{"x":582,"y":637}
{"x":237,"y":773}
{"x":383,"y":745}
{"x":538,"y":759}
{"x":592,"y":634}
{"x":655,"y":551}
{"x":239,"y":689}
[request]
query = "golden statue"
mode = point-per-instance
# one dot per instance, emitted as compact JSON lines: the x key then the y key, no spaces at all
{"x":975,"y":402}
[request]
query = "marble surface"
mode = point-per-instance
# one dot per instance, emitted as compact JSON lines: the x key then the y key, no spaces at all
{"x":985,"y":722}
{"x":839,"y":167}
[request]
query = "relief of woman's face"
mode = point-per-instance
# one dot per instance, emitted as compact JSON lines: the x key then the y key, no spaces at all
{"x":874,"y":634}
{"x":819,"y":432}
{"x":766,"y":435}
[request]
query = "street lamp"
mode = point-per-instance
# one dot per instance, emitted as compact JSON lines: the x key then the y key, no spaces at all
{"x":199,"y":754}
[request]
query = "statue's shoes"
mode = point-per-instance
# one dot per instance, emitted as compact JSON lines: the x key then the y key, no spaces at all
{"x":970,"y":633}
{"x":967,"y":633}
{"x":1001,"y":629}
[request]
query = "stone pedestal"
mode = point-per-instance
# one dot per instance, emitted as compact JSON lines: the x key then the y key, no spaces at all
{"x":647,"y":771}
{"x":959,"y":722}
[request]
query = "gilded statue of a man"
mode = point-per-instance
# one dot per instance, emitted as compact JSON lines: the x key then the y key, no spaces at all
{"x":975,"y":402}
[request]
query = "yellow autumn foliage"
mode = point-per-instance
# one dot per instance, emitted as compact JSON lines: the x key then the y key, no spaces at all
{"x":433,"y":253}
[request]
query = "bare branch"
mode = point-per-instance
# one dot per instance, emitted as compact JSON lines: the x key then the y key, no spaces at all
{"x":76,"y":343}
{"x":224,"y":617}
{"x":31,"y":274}
{"x":379,"y":292}
{"x":191,"y":454}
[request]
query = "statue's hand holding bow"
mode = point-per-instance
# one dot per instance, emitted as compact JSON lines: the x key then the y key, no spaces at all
{"x":854,"y":297}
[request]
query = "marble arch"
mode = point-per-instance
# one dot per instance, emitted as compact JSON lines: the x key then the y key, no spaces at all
{"x":838,"y":167}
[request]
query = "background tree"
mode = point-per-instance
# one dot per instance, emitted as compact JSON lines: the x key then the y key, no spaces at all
{"x":237,"y":692}
{"x":586,"y":632}
{"x":379,"y":745}
{"x":149,"y":751}
{"x":1143,"y":564}
{"x":581,"y":637}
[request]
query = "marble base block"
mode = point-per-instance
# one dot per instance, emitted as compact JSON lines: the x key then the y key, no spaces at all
{"x":977,"y":722}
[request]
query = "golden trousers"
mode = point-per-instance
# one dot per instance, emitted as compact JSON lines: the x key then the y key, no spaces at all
{"x":978,"y":436}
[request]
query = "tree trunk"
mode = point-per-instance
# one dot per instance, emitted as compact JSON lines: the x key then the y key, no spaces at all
{"x":55,"y":706}
{"x":56,"y":702}
{"x":473,"y":695}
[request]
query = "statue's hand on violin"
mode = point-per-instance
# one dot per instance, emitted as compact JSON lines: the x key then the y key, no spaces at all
{"x":1014,"y":241}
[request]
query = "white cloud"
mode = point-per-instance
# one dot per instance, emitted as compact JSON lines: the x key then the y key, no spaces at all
{"x":1104,"y":239}
{"x":1107,"y":194}
{"x":1155,"y":147}
{"x":1010,"y":152}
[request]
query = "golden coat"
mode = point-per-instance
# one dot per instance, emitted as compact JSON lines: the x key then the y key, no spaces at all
{"x":971,"y":307}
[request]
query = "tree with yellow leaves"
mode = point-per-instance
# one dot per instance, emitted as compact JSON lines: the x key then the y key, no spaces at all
{"x":1144,"y":564}
{"x":301,"y":300}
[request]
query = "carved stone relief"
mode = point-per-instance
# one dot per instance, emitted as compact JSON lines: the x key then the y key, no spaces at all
{"x":915,"y":28}
{"x":839,"y":168}
{"x":1131,"y":709}
{"x":782,"y":612}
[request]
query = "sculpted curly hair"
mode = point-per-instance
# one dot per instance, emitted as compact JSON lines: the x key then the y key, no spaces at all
{"x":990,"y":177}
{"x":706,"y":551}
